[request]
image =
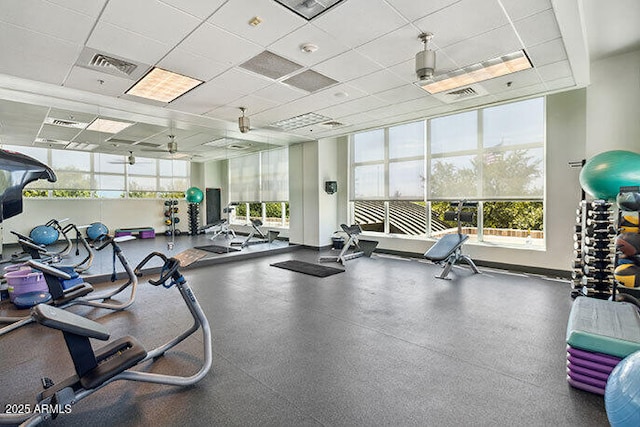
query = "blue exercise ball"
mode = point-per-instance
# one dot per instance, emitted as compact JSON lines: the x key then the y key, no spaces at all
{"x":194,"y":195}
{"x":44,"y":235}
{"x":604,"y":174}
{"x":622,"y":393}
{"x":96,"y":230}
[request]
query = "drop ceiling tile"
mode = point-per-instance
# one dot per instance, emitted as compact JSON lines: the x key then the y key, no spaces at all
{"x":395,"y":47}
{"x":277,"y":21}
{"x":407,"y":70}
{"x":377,"y":82}
{"x":518,"y":80}
{"x":463,"y":20}
{"x":563,"y":83}
{"x":280,"y":93}
{"x":186,"y":63}
{"x":489,"y":45}
{"x":518,"y":9}
{"x":413,"y":10}
{"x":365,"y":19}
{"x":356,"y":119}
{"x":401,"y":94}
{"x":199,"y":8}
{"x":89,"y":8}
{"x":289,"y":46}
{"x":253,"y":105}
{"x":48,"y":18}
{"x":58,"y":132}
{"x":347,"y":66}
{"x":547,"y":53}
{"x":555,"y":71}
{"x":168,"y":26}
{"x":141,"y":131}
{"x":219,"y":45}
{"x":364,"y":104}
{"x":241,"y":81}
{"x":109,"y":38}
{"x":35,"y":56}
{"x":538,"y":28}
{"x":89,"y":80}
{"x":205,"y":98}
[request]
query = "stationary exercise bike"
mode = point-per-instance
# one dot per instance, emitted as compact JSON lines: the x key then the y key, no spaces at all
{"x":448,"y":249}
{"x":116,"y":360}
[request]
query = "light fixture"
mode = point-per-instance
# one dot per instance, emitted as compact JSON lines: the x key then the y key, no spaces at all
{"x":83,"y":146}
{"x":243,"y":122}
{"x":162,"y":85}
{"x":300,"y":121}
{"x":131,"y":159}
{"x":425,"y":59}
{"x":227,"y":142}
{"x":496,"y":67}
{"x":108,"y":126}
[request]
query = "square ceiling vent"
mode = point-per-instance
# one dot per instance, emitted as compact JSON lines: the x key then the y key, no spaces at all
{"x":270,"y":65}
{"x":310,"y":81}
{"x":308,"y":9}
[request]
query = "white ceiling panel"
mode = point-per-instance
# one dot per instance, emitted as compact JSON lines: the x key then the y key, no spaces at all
{"x":277,"y":21}
{"x":199,"y":8}
{"x":555,"y":71}
{"x":393,"y":48}
{"x":518,"y":80}
{"x":463,"y":20}
{"x":414,"y":10}
{"x":377,"y":82}
{"x":402,"y":94}
{"x":365,"y":103}
{"x":134,"y":16}
{"x":219,"y":45}
{"x":547,"y":53}
{"x":192,"y":65}
{"x":359,"y":21}
{"x":89,"y":8}
{"x":242,"y":81}
{"x":290,"y":45}
{"x":96,"y":82}
{"x":563,"y":83}
{"x":206,"y":98}
{"x":280,"y":93}
{"x":518,"y":9}
{"x":58,"y":132}
{"x":347,"y":66}
{"x":109,"y":38}
{"x":492,"y":44}
{"x":538,"y":28}
{"x":48,"y":18}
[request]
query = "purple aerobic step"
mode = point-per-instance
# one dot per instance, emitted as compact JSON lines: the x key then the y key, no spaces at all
{"x":590,"y":365}
{"x":588,"y":372}
{"x":585,"y":387}
{"x":603,"y":359}
{"x":588,"y":380}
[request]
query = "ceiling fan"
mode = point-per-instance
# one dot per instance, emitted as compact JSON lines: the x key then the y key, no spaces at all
{"x":172,"y":147}
{"x":131,"y":160}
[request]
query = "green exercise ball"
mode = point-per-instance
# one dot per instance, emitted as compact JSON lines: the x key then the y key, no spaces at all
{"x":194,"y":195}
{"x":604,"y":174}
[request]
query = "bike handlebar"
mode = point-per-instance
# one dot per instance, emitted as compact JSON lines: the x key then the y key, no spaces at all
{"x":169,"y":268}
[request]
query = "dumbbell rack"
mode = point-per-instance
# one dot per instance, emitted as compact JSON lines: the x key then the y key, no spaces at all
{"x":170,"y":211}
{"x":626,"y":228}
{"x":594,"y":250}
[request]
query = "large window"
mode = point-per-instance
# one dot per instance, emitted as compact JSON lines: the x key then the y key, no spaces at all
{"x":259,"y":187}
{"x":404,"y":177}
{"x":85,"y":174}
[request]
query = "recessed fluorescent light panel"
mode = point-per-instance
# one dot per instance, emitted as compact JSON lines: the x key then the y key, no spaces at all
{"x":300,"y":121}
{"x":82,"y":146}
{"x":475,"y":73}
{"x":308,"y":9}
{"x":227,"y":142}
{"x":108,"y":126}
{"x":162,"y":85}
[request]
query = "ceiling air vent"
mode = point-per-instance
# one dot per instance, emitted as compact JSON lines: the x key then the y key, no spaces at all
{"x":310,"y":81}
{"x":103,"y":61}
{"x":332,"y":124}
{"x":270,"y":65}
{"x":463,"y":93}
{"x":65,"y":123}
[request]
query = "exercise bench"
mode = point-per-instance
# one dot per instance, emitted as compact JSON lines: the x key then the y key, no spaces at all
{"x":448,"y":249}
{"x":361,"y":247}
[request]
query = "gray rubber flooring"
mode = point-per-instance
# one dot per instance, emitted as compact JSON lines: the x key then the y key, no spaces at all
{"x":382,"y":344}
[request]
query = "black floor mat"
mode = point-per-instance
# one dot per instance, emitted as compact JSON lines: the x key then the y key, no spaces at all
{"x":308,"y":268}
{"x":217,"y":249}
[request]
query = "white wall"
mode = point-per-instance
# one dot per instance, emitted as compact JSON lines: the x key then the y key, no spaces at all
{"x":296,"y":201}
{"x":613,"y":104}
{"x":114,"y":213}
{"x":327,"y":203}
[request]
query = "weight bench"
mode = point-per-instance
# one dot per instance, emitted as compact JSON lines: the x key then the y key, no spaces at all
{"x":361,"y":247}
{"x":449,"y":248}
{"x":255,"y":230}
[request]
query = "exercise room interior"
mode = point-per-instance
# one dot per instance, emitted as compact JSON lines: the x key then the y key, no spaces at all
{"x":320,"y":212}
